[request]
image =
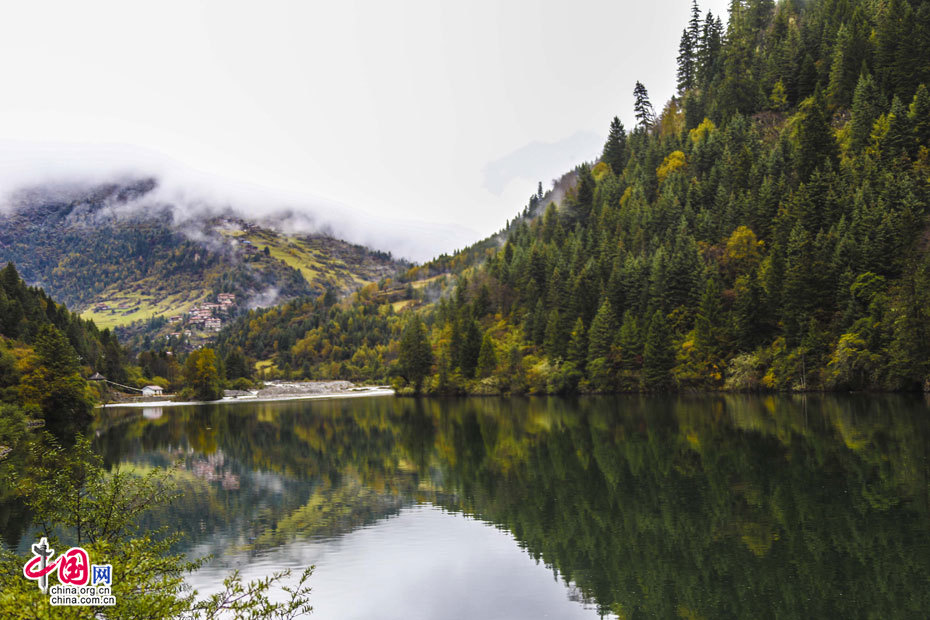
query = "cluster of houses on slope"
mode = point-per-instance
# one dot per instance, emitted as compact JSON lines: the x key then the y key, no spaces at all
{"x":209,"y":316}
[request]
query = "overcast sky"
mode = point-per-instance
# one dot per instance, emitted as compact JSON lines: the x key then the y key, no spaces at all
{"x":413,"y":126}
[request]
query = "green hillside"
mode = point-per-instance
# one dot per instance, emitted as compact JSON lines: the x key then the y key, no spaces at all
{"x":766,"y":229}
{"x":120,"y":259}
{"x":46,"y":352}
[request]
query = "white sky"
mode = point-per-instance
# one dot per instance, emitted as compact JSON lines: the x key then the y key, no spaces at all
{"x":414,"y":126}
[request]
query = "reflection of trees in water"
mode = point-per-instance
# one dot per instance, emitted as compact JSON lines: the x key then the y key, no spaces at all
{"x":722,"y":506}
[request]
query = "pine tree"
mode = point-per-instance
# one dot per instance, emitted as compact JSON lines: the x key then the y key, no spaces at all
{"x":800,"y":283}
{"x":686,"y":62}
{"x":694,"y":28}
{"x":778,"y":99}
{"x":708,"y":52}
{"x":602,"y":332}
{"x":55,"y":352}
{"x":816,"y":145}
{"x":919,"y":116}
{"x":236,"y":365}
{"x":867,"y":106}
{"x":55,"y":385}
{"x":807,"y":77}
{"x":842,"y":69}
{"x":658,"y":356}
{"x":471,"y":348}
{"x":539,"y":323}
{"x":585,"y":194}
{"x":415,"y":356}
{"x":645,"y":114}
{"x":615,"y":154}
{"x":578,"y":344}
{"x":708,"y":324}
{"x":487,"y":358}
{"x":555,"y":338}
{"x":898,"y":139}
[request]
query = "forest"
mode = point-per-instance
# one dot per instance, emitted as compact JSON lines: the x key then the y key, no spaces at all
{"x":46,"y":352}
{"x":765,"y":229}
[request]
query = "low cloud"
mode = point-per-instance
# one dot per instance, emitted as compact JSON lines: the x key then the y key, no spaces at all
{"x":35,"y":173}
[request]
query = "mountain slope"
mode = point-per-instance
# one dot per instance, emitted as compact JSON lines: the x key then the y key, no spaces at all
{"x":118,"y":255}
{"x":766,"y":230}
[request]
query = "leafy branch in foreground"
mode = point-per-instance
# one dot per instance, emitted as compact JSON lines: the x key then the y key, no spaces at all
{"x":75,"y":501}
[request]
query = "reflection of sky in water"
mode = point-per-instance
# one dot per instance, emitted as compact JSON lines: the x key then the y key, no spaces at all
{"x":422,"y":563}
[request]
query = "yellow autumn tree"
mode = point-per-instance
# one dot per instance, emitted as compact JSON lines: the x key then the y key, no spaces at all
{"x":702,"y":131}
{"x":744,"y":250}
{"x":674,"y":161}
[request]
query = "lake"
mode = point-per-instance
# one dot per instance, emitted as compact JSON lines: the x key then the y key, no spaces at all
{"x":623,"y":507}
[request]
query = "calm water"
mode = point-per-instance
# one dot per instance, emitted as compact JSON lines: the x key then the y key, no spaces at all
{"x":631,"y":507}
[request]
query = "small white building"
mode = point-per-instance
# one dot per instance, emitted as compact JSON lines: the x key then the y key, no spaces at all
{"x":152,"y":390}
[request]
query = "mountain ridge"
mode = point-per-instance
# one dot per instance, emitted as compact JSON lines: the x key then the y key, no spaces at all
{"x":120,"y":256}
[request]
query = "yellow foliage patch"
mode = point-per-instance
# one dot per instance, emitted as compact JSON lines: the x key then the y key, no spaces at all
{"x":626,"y":195}
{"x":702,"y":131}
{"x":674,"y":161}
{"x":600,"y":171}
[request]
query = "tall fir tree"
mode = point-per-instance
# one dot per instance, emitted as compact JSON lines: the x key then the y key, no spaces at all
{"x":866,"y":108}
{"x":817,"y":148}
{"x":615,"y":149}
{"x":416,"y":355}
{"x":658,"y":355}
{"x":602,"y":332}
{"x":645,"y":114}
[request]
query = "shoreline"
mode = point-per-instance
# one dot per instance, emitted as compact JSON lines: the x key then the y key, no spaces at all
{"x":351,"y":393}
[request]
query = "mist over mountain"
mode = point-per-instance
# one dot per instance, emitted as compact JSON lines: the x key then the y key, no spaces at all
{"x":32,"y":175}
{"x":123,"y":254}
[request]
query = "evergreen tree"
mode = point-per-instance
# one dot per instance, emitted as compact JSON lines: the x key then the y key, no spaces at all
{"x":555,"y":342}
{"x":645,"y":114}
{"x":615,"y":154}
{"x":686,"y":62}
{"x":709,"y":50}
{"x":919,"y":117}
{"x":578,"y":344}
{"x":898,"y":139}
{"x":694,"y":29}
{"x":471,"y":348}
{"x":236,"y":365}
{"x":539,"y":323}
{"x":55,"y":352}
{"x":630,"y":341}
{"x":708,"y":324}
{"x":816,"y":145}
{"x":487,"y":358}
{"x":602,"y":332}
{"x":867,"y":106}
{"x":658,"y":356}
{"x":54,"y":385}
{"x":585,"y":194}
{"x":416,"y":355}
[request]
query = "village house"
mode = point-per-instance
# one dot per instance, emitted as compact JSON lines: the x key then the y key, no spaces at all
{"x":153,"y":390}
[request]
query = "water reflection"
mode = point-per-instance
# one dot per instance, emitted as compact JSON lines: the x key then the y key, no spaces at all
{"x":648,"y":507}
{"x":152,"y":413}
